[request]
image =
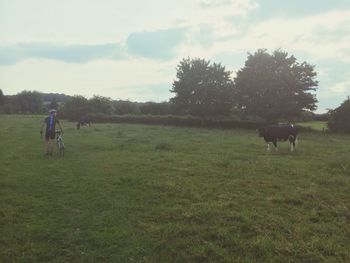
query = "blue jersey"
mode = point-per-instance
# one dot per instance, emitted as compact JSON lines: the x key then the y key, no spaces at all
{"x":51,"y":124}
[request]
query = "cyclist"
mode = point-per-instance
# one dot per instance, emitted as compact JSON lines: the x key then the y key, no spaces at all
{"x":50,"y":132}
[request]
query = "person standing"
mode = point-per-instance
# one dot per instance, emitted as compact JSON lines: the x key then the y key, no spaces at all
{"x":50,"y":131}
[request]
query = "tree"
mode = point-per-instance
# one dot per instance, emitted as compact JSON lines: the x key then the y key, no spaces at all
{"x":100,"y":104}
{"x":2,"y":98}
{"x":53,"y":104}
{"x":75,"y":108}
{"x":340,"y":117}
{"x":154,"y":108}
{"x":125,"y":107}
{"x":275,"y":86}
{"x":202,"y":89}
{"x":28,"y":101}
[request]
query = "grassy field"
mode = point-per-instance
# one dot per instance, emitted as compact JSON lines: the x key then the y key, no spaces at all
{"x":315,"y":125}
{"x":133,"y":193}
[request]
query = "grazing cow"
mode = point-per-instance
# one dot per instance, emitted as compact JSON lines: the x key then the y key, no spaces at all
{"x":276,"y":133}
{"x":83,"y":121}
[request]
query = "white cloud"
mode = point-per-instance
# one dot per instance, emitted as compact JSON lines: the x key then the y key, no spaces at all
{"x":341,"y":87}
{"x":216,"y":28}
{"x":301,"y":34}
{"x":118,"y":79}
{"x":95,"y":22}
{"x":338,"y":90}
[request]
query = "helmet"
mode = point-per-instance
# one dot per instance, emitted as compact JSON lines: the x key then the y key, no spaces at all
{"x":52,"y":111}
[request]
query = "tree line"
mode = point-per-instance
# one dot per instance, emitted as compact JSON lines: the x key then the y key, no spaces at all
{"x":72,"y":107}
{"x":269,"y":87}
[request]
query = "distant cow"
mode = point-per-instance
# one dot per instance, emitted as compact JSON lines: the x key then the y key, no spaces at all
{"x":276,"y":133}
{"x":83,"y":121}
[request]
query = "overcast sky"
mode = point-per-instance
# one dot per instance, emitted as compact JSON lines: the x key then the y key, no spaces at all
{"x":129,"y":49}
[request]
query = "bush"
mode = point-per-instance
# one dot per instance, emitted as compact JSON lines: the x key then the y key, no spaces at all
{"x":185,"y":121}
{"x":162,"y":108}
{"x":340,"y":118}
{"x":76,"y":107}
{"x":122,"y":107}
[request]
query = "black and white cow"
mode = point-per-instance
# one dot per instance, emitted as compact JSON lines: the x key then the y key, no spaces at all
{"x":276,"y":133}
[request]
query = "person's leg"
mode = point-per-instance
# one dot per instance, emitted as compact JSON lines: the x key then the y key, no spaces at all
{"x":51,"y":145}
{"x":47,"y":146}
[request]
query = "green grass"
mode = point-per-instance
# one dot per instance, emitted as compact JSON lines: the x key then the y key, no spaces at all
{"x":134,"y":193}
{"x":315,"y":125}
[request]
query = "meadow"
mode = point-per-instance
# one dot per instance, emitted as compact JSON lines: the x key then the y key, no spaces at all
{"x":137,"y":193}
{"x":315,"y":125}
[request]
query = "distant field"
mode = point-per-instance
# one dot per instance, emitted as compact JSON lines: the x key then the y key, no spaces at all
{"x":315,"y":125}
{"x":134,"y":193}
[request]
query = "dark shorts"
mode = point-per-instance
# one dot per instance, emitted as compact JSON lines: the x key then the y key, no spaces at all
{"x":50,"y":135}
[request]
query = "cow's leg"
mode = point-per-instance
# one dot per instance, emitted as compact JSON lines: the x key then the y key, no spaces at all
{"x":292,"y":143}
{"x":275,"y":144}
{"x":268,"y":146}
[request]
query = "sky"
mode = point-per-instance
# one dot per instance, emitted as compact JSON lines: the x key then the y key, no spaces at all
{"x":129,"y":49}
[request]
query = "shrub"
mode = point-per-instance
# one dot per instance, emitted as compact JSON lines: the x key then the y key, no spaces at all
{"x":340,"y":118}
{"x":162,"y":108}
{"x":186,"y":121}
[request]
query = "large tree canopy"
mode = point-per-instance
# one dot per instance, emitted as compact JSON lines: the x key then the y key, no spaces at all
{"x":275,"y":86}
{"x":202,"y":88}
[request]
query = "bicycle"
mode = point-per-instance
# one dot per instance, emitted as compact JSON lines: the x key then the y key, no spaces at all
{"x":60,"y":143}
